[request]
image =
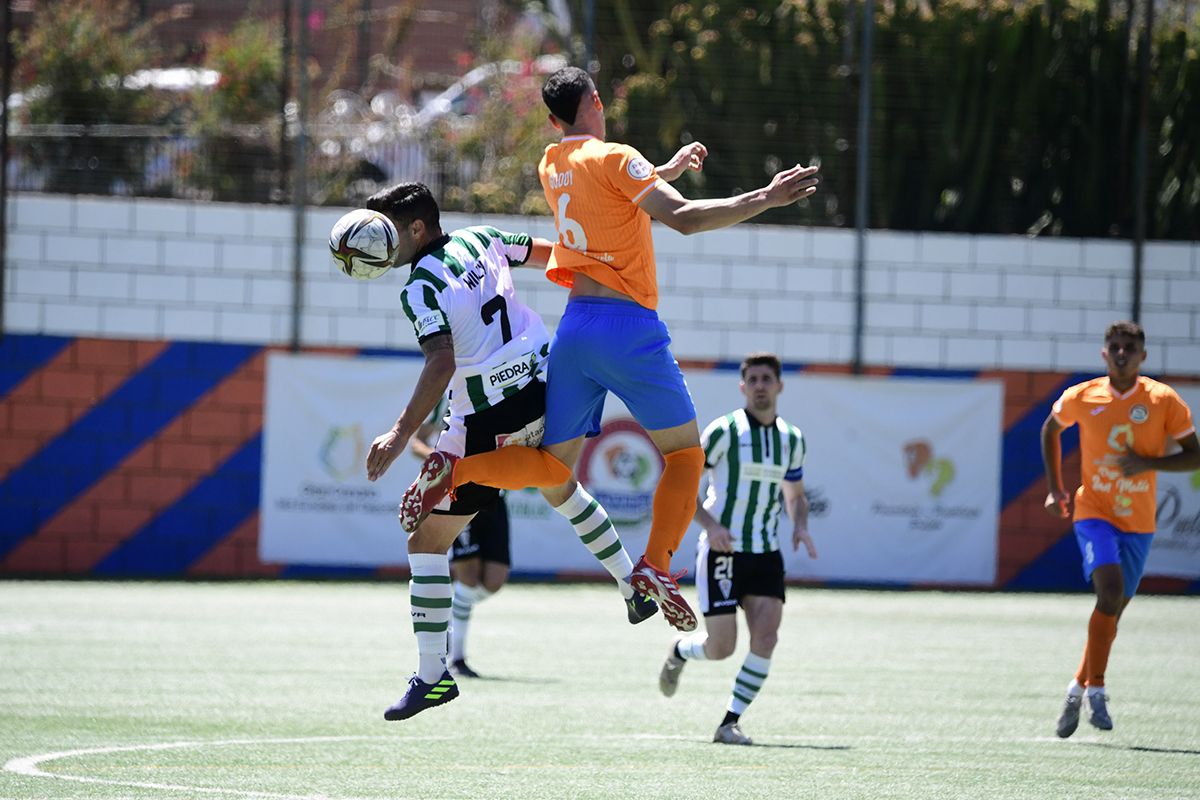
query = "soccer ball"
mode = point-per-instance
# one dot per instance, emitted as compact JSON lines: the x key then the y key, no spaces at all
{"x":363,"y":244}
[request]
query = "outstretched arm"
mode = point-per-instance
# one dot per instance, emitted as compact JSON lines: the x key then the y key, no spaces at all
{"x":431,"y":385}
{"x":675,"y":211}
{"x":1057,"y":499}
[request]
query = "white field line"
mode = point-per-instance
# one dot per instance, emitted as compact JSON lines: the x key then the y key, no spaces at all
{"x":29,"y":766}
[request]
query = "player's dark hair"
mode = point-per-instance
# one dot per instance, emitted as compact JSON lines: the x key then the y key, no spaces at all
{"x":1126,"y":328}
{"x":762,"y":360}
{"x":563,"y":91}
{"x":406,"y":202}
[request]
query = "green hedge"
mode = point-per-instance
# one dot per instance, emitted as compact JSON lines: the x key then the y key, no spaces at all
{"x":986,"y":117}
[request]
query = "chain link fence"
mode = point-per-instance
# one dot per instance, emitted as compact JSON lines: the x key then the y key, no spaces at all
{"x":984,"y":118}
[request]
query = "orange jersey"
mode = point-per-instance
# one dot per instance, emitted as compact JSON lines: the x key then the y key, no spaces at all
{"x":593,"y":188}
{"x":1144,"y":419}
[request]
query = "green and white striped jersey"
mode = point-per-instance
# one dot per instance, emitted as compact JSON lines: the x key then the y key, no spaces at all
{"x":748,"y":463}
{"x":460,"y":284}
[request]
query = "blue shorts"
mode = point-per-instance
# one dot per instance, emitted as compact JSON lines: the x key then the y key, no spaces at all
{"x":1101,"y":543}
{"x":608,"y":345}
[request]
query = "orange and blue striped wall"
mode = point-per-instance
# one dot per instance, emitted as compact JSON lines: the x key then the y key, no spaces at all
{"x":143,"y":458}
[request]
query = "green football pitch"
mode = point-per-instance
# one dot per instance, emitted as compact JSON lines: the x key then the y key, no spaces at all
{"x":276,"y":690}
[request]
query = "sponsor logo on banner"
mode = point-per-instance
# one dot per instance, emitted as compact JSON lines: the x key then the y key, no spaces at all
{"x":341,"y":456}
{"x":342,"y":453}
{"x":621,"y":468}
{"x":818,"y":502}
{"x":921,"y":463}
{"x":1178,"y":515}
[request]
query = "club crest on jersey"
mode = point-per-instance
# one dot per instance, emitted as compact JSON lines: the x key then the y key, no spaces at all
{"x":639,"y":169}
{"x":1139,"y":413}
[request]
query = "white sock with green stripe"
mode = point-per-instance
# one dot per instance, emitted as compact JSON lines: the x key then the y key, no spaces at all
{"x":596,"y":531}
{"x":465,"y":598}
{"x":429,"y":593}
{"x":748,"y":682}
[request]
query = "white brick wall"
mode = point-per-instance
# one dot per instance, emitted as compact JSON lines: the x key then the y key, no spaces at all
{"x":207,"y":271}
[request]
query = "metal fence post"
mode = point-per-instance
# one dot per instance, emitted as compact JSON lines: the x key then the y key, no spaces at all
{"x":300,"y":173}
{"x":862,"y":182}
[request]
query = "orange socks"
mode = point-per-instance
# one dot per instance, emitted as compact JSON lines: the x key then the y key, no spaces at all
{"x":1102,"y":630}
{"x":674,"y":505}
{"x":511,"y":468}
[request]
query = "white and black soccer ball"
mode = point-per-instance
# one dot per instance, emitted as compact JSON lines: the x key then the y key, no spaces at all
{"x":363,"y":244}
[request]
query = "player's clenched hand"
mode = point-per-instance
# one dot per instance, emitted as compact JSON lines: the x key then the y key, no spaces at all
{"x":720,"y":539}
{"x":1056,"y":504}
{"x":689,"y":157}
{"x":383,"y":452}
{"x":800,"y":535}
{"x":792,"y":184}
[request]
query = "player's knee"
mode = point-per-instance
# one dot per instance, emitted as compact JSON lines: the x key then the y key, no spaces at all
{"x":689,"y":460}
{"x":1110,"y":600}
{"x":718,"y":649}
{"x":493,"y":584}
{"x":763,"y":642}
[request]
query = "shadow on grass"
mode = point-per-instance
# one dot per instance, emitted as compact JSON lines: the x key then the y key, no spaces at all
{"x":504,"y":679}
{"x":779,"y":746}
{"x":1141,"y":749}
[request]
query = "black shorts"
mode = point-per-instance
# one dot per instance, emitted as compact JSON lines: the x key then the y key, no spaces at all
{"x":723,"y":579}
{"x":485,"y":429}
{"x":485,"y":537}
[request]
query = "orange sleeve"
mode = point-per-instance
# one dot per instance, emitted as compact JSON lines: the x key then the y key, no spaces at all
{"x":628,"y":172}
{"x":1066,"y":407}
{"x":1179,"y":417}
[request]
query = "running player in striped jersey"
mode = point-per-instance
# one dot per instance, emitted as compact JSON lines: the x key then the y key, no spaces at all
{"x":491,"y":349}
{"x":756,"y":462}
{"x":1127,"y":424}
{"x":610,"y":338}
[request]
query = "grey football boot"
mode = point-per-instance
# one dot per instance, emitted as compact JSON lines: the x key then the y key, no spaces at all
{"x":1068,"y":720}
{"x":672,"y":668}
{"x":1098,"y":711}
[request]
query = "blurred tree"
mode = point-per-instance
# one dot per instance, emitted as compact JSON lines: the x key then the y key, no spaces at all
{"x":496,"y":146}
{"x":72,"y":67}
{"x":238,"y":119}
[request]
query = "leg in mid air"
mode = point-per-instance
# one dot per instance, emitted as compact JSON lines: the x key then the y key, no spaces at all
{"x":673,"y":510}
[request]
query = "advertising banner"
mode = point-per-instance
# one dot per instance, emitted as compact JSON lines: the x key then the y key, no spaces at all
{"x":903,"y":474}
{"x":1176,"y":549}
{"x":321,"y":415}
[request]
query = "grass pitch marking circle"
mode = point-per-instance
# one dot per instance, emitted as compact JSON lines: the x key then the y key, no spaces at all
{"x":30,"y":766}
